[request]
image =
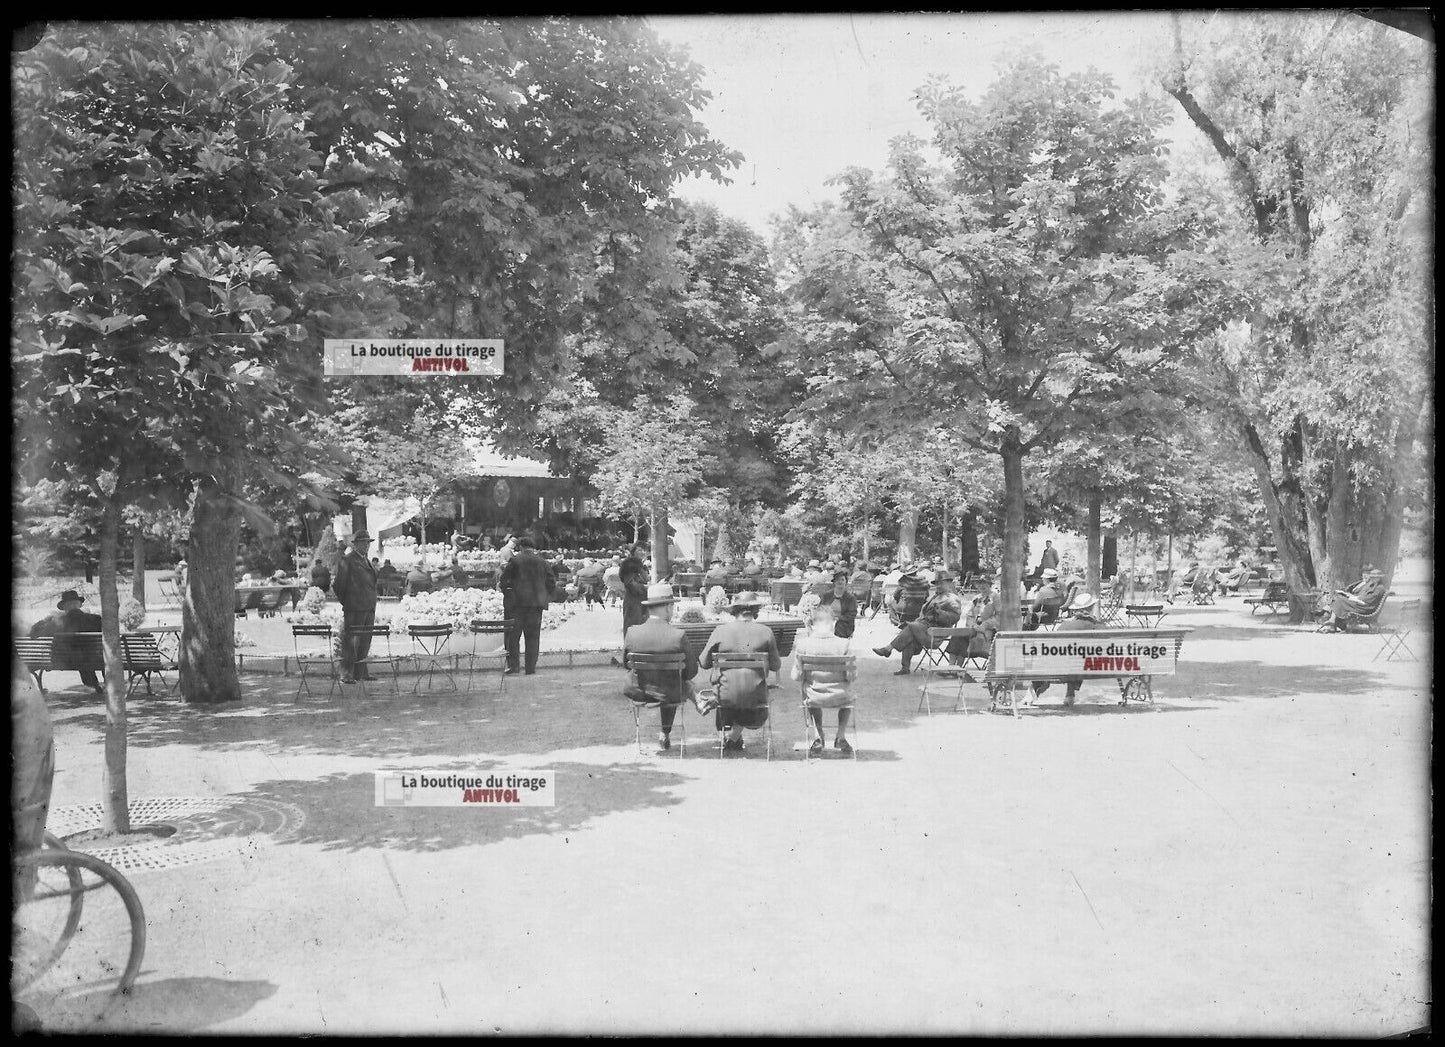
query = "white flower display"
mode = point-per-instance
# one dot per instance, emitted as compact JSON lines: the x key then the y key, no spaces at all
{"x":806,"y":606}
{"x":313,"y":601}
{"x":717,"y":599}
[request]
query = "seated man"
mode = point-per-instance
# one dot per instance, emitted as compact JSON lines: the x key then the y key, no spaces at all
{"x":752,"y":569}
{"x":589,"y":582}
{"x":1083,"y":618}
{"x":942,"y":610}
{"x":742,"y":693}
{"x":657,"y":635}
{"x":1364,"y":599}
{"x":982,"y":621}
{"x":1230,"y":581}
{"x":717,"y":574}
{"x":612,"y":581}
{"x":1046,"y":601}
{"x":65,"y":620}
{"x":815,"y":573}
{"x":443,"y":579}
{"x":460,"y":577}
{"x":861,"y":575}
{"x":418,"y":580}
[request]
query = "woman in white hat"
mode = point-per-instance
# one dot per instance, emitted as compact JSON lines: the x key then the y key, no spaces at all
{"x":1083,"y":611}
{"x":742,"y":693}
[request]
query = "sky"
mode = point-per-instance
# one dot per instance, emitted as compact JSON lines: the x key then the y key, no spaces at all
{"x":805,"y":96}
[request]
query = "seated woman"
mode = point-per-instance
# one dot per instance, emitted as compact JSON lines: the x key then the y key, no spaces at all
{"x":826,"y":689}
{"x":741,"y":693}
{"x":1230,"y":581}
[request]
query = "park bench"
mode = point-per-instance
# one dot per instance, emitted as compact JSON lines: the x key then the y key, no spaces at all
{"x":1275,"y":597}
{"x":1131,"y":657}
{"x":69,"y":652}
{"x":1369,"y":617}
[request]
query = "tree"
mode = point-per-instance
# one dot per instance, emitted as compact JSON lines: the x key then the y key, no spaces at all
{"x":173,"y":255}
{"x":531,"y":161}
{"x":653,"y":460}
{"x":1322,"y":124}
{"x":1009,"y":293}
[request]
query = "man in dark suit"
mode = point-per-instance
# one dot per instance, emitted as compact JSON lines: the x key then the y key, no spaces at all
{"x":656,"y":634}
{"x":355,"y":586}
{"x":526,"y":585}
{"x":69,"y":618}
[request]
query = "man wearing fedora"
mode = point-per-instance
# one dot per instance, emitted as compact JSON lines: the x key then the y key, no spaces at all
{"x":68,"y":618}
{"x":656,"y":634}
{"x":742,"y":694}
{"x":526,"y":583}
{"x":942,"y":610}
{"x":356,"y":589}
{"x":1046,"y":601}
{"x":1361,"y":598}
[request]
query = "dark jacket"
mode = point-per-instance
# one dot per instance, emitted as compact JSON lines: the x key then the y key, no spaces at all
{"x":845,"y":609}
{"x":61,"y":622}
{"x":632,"y":573}
{"x":527,"y":581}
{"x":742,"y":688}
{"x":355,"y":584}
{"x":654,"y":636}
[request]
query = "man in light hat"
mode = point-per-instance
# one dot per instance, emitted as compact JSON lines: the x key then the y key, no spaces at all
{"x":356,"y":588}
{"x":66,"y":619}
{"x":942,"y":610}
{"x":742,"y":693}
{"x":1046,"y":601}
{"x":1084,"y":616}
{"x":656,"y":634}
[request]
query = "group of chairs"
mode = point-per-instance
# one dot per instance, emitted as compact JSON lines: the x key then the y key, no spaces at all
{"x":317,"y":657}
{"x":659,"y":677}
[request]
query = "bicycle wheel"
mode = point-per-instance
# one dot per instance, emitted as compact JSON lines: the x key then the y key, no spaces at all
{"x":77,"y":925}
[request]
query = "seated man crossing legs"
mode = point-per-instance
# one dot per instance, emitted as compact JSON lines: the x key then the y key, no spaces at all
{"x":941,"y":611}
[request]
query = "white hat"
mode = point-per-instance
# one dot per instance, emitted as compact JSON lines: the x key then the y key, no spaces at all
{"x":1083,"y":602}
{"x":1048,"y":572}
{"x":659,"y":593}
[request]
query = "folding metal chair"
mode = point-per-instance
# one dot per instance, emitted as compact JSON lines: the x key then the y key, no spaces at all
{"x":934,"y":659}
{"x":726,"y":662}
{"x":496,"y":627}
{"x":431,"y":640}
{"x":310,"y":659}
{"x":384,"y":657}
{"x":1395,"y":637}
{"x":656,"y":676}
{"x":845,"y":665}
{"x":143,"y":659}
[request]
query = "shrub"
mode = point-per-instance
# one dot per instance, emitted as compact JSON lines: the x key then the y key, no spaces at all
{"x":691,"y":613}
{"x":806,"y":606}
{"x":717,"y":599}
{"x":313,"y":601}
{"x":132,"y":614}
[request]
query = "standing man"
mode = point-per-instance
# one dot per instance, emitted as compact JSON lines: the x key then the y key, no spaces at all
{"x":526,"y":586}
{"x":1048,"y":558}
{"x":633,"y":575}
{"x":355,"y":587}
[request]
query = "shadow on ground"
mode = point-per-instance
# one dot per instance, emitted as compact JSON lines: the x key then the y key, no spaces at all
{"x":175,"y":1004}
{"x":341,"y":812}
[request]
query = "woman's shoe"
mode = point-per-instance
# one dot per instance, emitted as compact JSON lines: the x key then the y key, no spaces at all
{"x":816,"y":749}
{"x":842,"y":745}
{"x":902,"y":672}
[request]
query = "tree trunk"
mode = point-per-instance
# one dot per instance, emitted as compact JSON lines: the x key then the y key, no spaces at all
{"x":1109,"y":559}
{"x":1094,"y":543}
{"x":1012,"y":570}
{"x":907,"y":534}
{"x":661,"y":551}
{"x":138,"y":565}
{"x":1133,"y":562}
{"x":968,"y":562}
{"x":208,"y":617}
{"x":114,"y":796}
{"x":636,"y":528}
{"x":946,"y":550}
{"x":420,"y":552}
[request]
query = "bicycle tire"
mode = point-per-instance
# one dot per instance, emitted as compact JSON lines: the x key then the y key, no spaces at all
{"x":72,"y":862}
{"x":72,"y":919}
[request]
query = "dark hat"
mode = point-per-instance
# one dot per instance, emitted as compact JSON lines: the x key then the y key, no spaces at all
{"x":360,"y":536}
{"x":67,"y":596}
{"x":944,"y":576}
{"x":523,"y":542}
{"x":840,"y":574}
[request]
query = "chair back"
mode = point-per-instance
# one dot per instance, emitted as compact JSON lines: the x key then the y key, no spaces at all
{"x":659,"y":677}
{"x":141,"y":652}
{"x":490,"y":626}
{"x":826,"y":669}
{"x":737,"y":688}
{"x":429,"y":630}
{"x":861,"y":591}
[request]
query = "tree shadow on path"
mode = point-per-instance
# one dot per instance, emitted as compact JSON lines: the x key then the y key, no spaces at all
{"x":175,"y":1004}
{"x":341,"y":813}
